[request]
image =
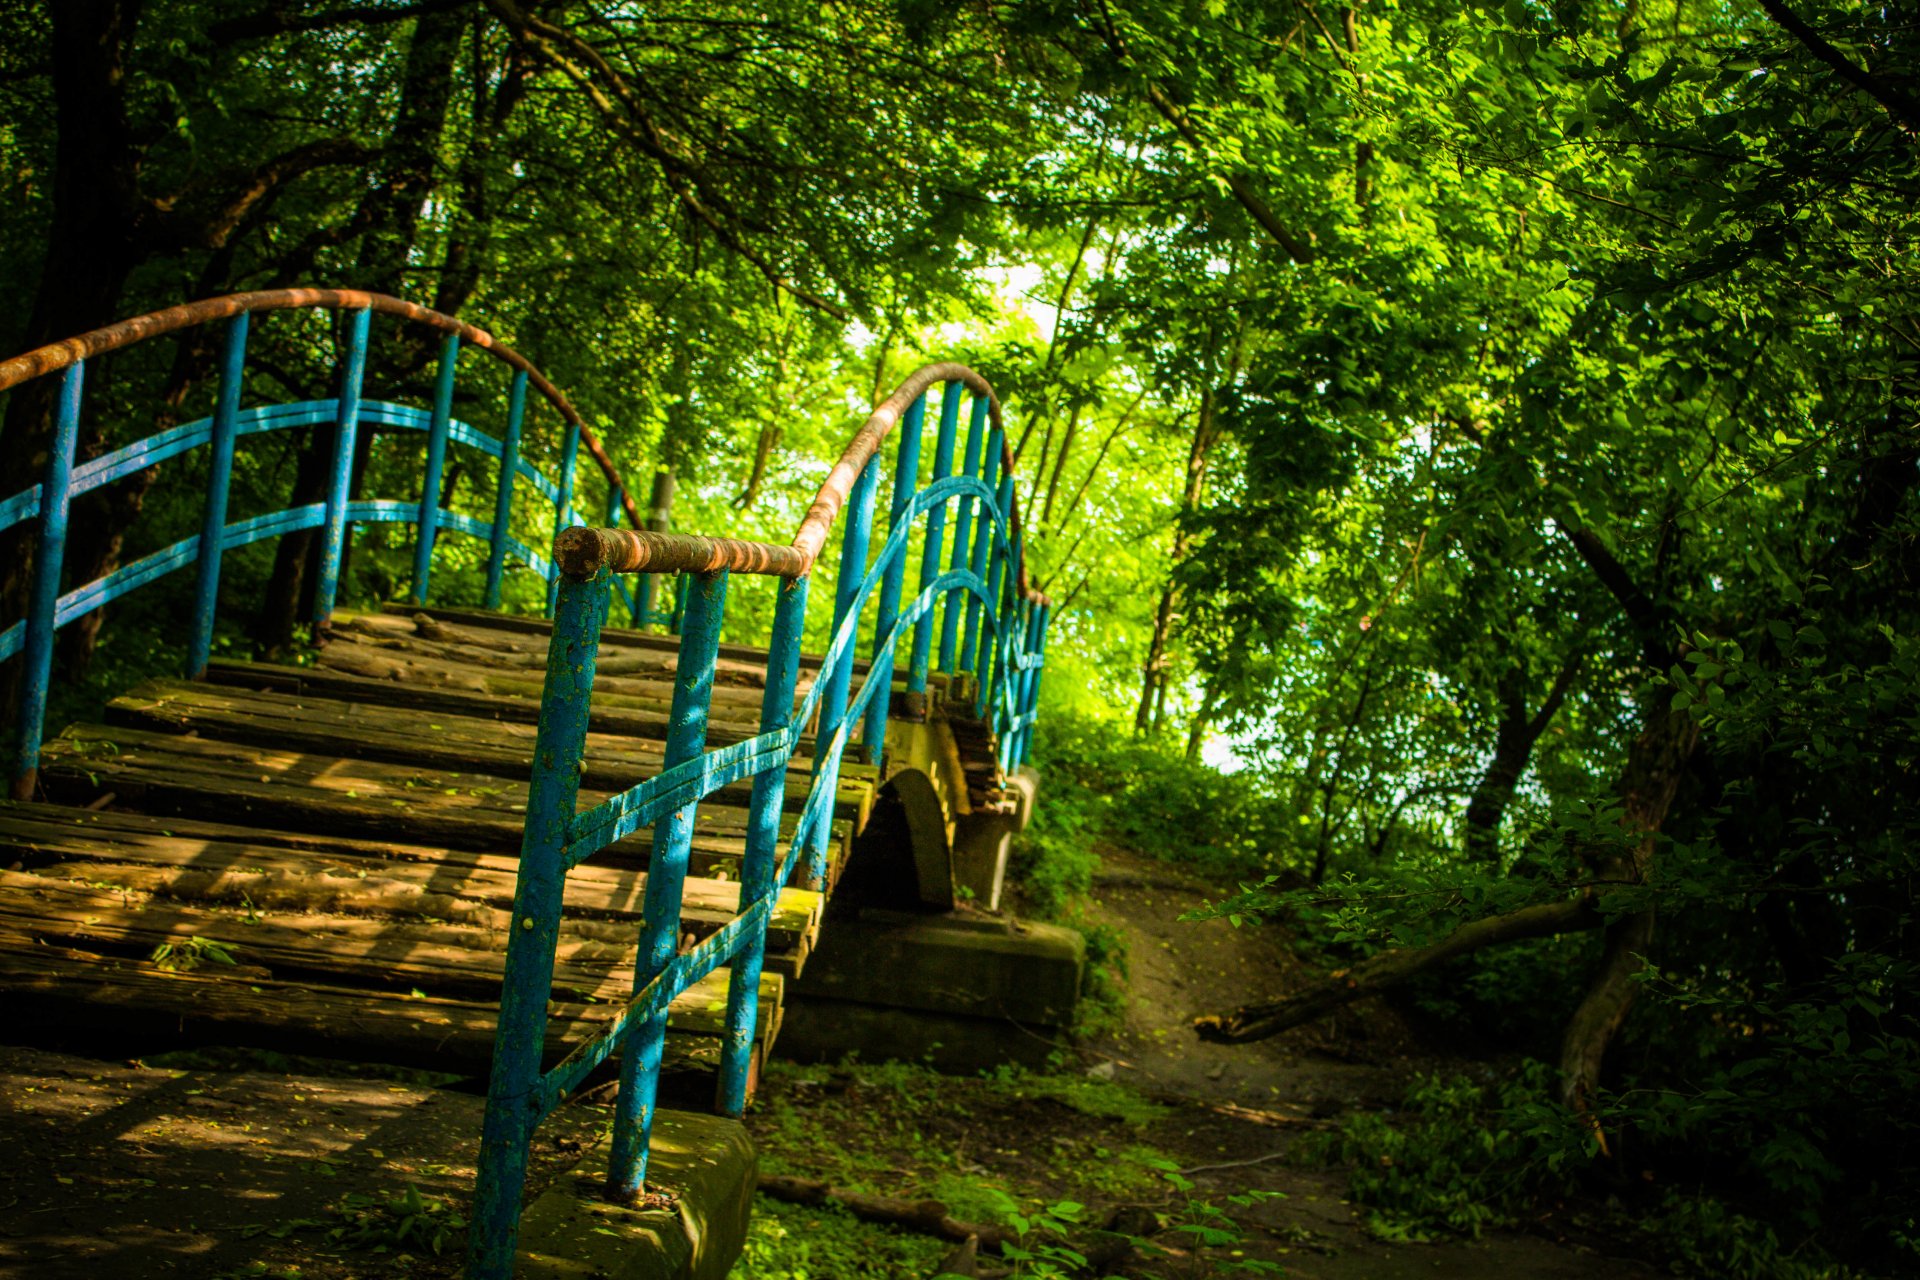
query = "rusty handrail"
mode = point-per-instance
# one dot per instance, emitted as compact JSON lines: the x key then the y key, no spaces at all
{"x":580,"y":552}
{"x":56,"y":356}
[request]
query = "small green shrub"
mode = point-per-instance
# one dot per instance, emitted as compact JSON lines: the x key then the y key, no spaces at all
{"x":1462,"y":1156}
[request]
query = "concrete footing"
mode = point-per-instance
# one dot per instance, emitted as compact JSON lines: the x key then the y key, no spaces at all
{"x":962,"y":991}
{"x":705,"y":1162}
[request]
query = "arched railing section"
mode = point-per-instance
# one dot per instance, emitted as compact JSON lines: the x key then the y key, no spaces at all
{"x":348,"y":411}
{"x":989,"y":624}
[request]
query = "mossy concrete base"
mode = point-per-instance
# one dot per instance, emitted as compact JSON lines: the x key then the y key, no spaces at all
{"x":962,"y":991}
{"x":573,"y":1233}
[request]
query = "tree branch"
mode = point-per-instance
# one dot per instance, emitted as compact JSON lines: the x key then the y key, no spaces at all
{"x":1904,"y":110}
{"x":1640,"y":609}
{"x":1390,"y":969}
{"x":629,"y":118}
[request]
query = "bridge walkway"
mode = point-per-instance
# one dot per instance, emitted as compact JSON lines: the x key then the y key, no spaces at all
{"x":320,"y":859}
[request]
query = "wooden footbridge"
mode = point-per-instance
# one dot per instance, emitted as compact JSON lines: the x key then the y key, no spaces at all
{"x":504,"y":845}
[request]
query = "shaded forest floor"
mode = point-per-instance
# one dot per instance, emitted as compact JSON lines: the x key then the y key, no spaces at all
{"x":1139,"y":1100}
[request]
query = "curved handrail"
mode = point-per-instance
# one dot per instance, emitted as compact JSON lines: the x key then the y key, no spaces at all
{"x":56,"y":356}
{"x":581,"y":552}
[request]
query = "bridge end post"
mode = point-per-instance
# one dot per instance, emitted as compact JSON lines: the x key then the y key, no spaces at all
{"x":515,"y":1097}
{"x":640,"y":1052}
{"x":36,"y":655}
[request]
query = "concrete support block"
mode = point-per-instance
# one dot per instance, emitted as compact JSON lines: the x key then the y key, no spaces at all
{"x":706,"y":1162}
{"x":974,"y":966}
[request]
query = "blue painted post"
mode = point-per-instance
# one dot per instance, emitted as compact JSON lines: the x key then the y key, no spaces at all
{"x":906,"y":480}
{"x":922,"y":653}
{"x":991,"y":667}
{"x":762,"y":859}
{"x":1033,"y":680}
{"x":983,"y":548}
{"x":334,"y":532}
{"x":615,"y":509}
{"x":513,"y":1092}
{"x":666,"y":875}
{"x":563,"y":505}
{"x":833,"y":698}
{"x":962,"y":543}
{"x":36,"y":653}
{"x":213,"y":521}
{"x":427,"y":524}
{"x":503,"y":495}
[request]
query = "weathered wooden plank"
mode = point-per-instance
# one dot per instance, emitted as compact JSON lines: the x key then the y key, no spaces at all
{"x":593,"y":962}
{"x":231,"y":866}
{"x":473,"y":671}
{"x":131,"y":1006}
{"x":218,"y":781}
{"x":431,"y":637}
{"x":463,"y":743}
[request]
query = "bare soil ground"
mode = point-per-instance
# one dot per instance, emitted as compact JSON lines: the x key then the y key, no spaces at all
{"x":1362,"y":1058}
{"x":119,"y":1169}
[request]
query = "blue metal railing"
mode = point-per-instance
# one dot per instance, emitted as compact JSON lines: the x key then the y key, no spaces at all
{"x":981,"y":592}
{"x":48,"y":608}
{"x":992,"y":628}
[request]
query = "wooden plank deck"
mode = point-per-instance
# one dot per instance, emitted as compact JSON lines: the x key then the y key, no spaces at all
{"x":321,"y":859}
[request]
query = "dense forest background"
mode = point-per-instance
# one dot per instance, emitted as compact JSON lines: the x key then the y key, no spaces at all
{"x":1495,"y":428}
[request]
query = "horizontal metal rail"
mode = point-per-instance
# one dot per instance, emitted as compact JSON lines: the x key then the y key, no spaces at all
{"x":66,"y":477}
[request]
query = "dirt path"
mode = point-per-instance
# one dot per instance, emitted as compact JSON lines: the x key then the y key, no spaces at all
{"x":1359,"y":1059}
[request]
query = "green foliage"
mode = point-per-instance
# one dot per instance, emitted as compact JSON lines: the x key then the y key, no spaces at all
{"x":190,"y":953}
{"x":1462,"y":1156}
{"x":794,"y":1242}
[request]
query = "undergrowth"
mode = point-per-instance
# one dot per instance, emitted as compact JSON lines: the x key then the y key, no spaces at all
{"x":1466,"y":1155}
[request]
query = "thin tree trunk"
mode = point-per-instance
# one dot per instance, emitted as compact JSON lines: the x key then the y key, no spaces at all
{"x":1059,"y":466}
{"x":1512,"y":750}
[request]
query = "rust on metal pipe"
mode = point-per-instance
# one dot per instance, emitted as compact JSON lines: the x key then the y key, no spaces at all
{"x":56,"y":356}
{"x":581,"y":552}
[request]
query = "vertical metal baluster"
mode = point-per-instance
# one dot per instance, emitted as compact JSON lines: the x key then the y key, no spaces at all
{"x":679,"y":615}
{"x":615,"y":509}
{"x":503,"y":495}
{"x":427,"y":524}
{"x":992,"y":664}
{"x":1024,"y":686}
{"x":213,"y":521}
{"x":666,"y":876}
{"x":348,"y":429}
{"x":762,"y":858}
{"x":833,"y":698}
{"x":906,"y":481}
{"x":36,"y":653}
{"x":984,"y":548}
{"x":563,"y":505}
{"x":1033,"y":681}
{"x":922,"y":653}
{"x":513,"y":1091}
{"x":963,"y":529}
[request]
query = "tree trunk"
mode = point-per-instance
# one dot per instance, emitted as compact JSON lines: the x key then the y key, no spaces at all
{"x":1512,"y":749}
{"x":92,"y":248}
{"x":1656,"y":762}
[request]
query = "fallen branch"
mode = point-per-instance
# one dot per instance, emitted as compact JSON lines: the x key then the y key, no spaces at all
{"x":1390,"y":969}
{"x":928,"y":1217}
